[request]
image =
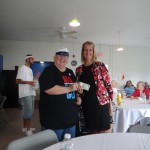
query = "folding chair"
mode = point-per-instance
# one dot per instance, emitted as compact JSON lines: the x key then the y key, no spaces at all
{"x":139,"y":129}
{"x":37,"y":141}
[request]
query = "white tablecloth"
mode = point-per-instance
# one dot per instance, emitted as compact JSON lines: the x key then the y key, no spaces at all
{"x":110,"y":141}
{"x":129,"y":113}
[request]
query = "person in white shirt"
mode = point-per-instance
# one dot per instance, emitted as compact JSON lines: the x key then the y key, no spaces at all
{"x":26,"y":92}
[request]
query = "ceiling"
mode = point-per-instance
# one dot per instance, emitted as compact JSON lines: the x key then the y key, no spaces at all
{"x":38,"y":20}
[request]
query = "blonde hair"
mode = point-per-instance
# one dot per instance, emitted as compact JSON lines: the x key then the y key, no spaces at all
{"x":94,"y":51}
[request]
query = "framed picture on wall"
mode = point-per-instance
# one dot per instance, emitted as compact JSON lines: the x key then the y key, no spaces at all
{"x":73,"y":62}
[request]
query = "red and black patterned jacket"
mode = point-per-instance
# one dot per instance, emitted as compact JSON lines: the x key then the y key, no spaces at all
{"x":101,"y":77}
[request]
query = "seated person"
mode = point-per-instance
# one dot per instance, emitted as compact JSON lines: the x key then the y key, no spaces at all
{"x":140,"y":89}
{"x":146,"y":85}
{"x":129,"y":88}
{"x":114,"y":84}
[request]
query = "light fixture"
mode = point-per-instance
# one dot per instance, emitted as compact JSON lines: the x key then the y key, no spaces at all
{"x":120,"y":48}
{"x":74,"y":23}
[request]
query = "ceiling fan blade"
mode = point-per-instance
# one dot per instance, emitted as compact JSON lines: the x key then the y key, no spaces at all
{"x":71,"y":32}
{"x":51,"y":35}
{"x":58,"y":32}
{"x":73,"y":37}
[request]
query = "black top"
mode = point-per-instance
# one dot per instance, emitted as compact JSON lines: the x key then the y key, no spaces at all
{"x":57,"y":111}
{"x":96,"y":116}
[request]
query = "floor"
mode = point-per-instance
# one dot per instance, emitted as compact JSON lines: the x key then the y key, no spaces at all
{"x":12,"y":130}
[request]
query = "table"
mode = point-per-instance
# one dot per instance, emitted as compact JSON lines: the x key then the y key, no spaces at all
{"x":109,"y":141}
{"x":130,"y":113}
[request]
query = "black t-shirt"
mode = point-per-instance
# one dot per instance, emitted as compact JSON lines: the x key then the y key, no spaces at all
{"x":57,"y":111}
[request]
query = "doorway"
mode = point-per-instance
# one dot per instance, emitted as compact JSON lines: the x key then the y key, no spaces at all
{"x":36,"y":67}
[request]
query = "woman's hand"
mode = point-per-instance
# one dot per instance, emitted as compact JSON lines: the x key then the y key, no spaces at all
{"x":78,"y":101}
{"x":74,"y":87}
{"x":79,"y":90}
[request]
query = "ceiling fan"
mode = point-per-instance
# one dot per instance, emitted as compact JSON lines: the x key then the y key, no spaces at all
{"x":64,"y":33}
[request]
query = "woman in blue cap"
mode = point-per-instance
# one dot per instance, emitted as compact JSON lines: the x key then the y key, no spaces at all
{"x":58,"y":105}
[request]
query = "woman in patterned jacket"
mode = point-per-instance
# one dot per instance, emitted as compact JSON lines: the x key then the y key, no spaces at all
{"x":96,"y":103}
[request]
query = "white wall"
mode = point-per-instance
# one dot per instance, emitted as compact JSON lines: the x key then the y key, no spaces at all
{"x":133,"y":61}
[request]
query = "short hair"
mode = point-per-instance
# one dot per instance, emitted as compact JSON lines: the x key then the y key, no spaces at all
{"x":141,"y":82}
{"x":94,"y":51}
{"x":114,"y":83}
{"x":29,"y":55}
